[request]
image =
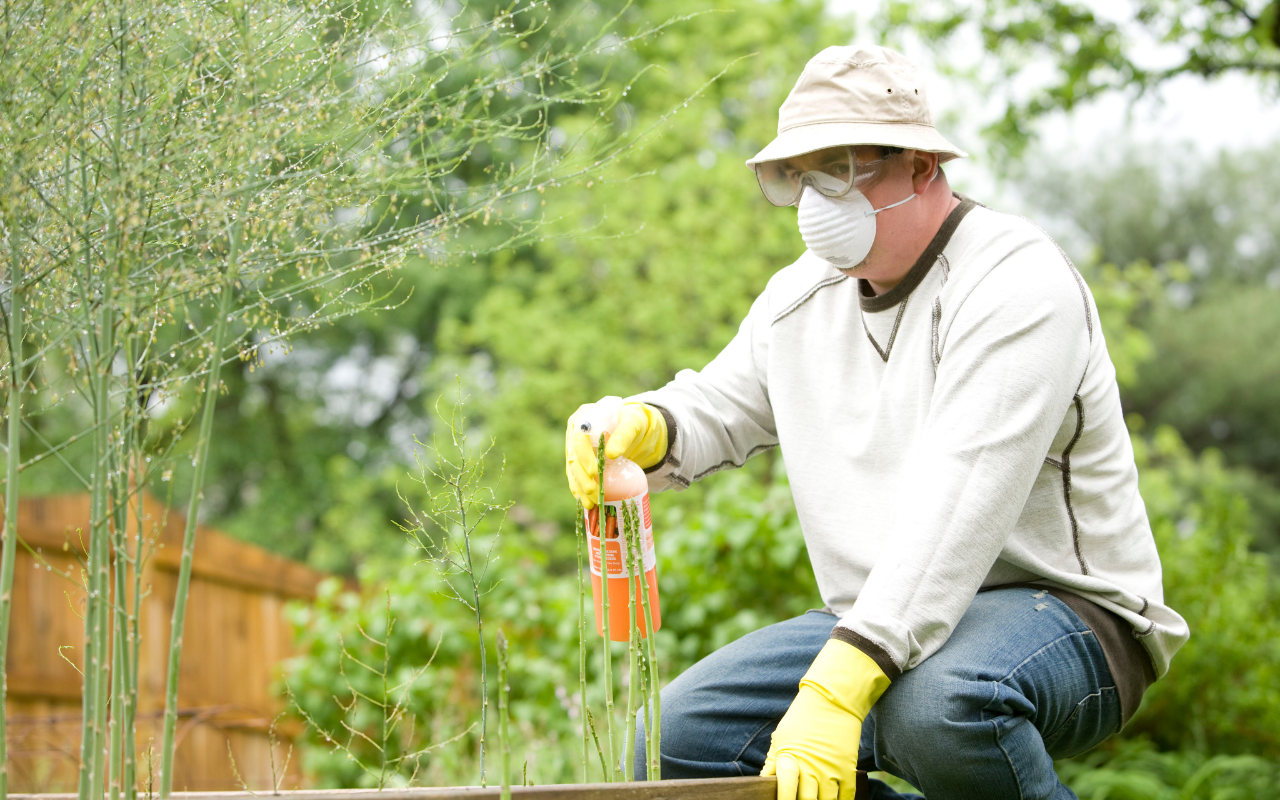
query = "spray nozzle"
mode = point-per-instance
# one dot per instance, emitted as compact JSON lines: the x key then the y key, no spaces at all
{"x":601,"y":418}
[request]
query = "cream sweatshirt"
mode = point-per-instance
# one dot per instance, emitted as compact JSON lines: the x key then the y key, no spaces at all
{"x":961,"y":431}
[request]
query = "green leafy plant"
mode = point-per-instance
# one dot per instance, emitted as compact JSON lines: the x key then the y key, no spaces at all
{"x":375,"y":713}
{"x":745,"y":519}
{"x":1137,"y":770}
{"x":1223,"y":691}
{"x":374,"y":730}
{"x":455,"y":524}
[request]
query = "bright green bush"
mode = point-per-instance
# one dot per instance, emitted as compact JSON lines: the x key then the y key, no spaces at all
{"x":1222,"y":694}
{"x":1136,"y":770}
{"x":352,"y":679}
{"x":1215,"y":382}
{"x":431,"y":684}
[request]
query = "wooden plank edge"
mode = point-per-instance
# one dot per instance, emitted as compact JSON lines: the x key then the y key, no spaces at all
{"x":746,"y":788}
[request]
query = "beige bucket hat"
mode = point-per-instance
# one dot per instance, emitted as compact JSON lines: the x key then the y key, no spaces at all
{"x":856,"y":95}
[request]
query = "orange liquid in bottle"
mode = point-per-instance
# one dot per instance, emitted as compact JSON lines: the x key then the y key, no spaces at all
{"x":624,"y":485}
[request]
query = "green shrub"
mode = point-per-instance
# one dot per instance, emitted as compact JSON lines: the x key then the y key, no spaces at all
{"x":1136,"y":770}
{"x":351,"y":675}
{"x":1222,"y":694}
{"x":402,"y":646}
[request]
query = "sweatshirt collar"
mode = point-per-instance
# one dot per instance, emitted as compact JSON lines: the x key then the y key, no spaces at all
{"x":879,"y":302}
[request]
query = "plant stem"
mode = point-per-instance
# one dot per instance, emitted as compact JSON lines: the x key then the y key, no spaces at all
{"x":96,"y":663}
{"x":475,"y":605}
{"x":633,"y":643}
{"x":118,"y":666}
{"x":604,"y":768}
{"x":12,"y":461}
{"x":193,"y":510}
{"x":504,"y":739}
{"x":653,"y":710}
{"x":130,"y":710}
{"x":579,"y":529}
{"x":122,"y":666}
{"x":384,"y":701}
{"x":602,"y":527}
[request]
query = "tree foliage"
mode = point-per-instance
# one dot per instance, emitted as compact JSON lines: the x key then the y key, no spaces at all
{"x":1207,"y":221}
{"x":1054,"y":56}
{"x":534,"y":328}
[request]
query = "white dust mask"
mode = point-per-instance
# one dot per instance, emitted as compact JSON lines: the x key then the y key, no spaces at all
{"x":839,"y":229}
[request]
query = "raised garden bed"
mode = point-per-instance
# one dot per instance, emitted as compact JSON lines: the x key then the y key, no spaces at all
{"x":751,"y":788}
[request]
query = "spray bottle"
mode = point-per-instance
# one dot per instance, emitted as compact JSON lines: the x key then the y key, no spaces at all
{"x":626,"y":496}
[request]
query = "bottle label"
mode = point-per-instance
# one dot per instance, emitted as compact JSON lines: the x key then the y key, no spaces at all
{"x":619,"y":560}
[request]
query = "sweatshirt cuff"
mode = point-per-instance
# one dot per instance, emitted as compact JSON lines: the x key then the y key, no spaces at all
{"x":872,"y":650}
{"x":670,"y":422}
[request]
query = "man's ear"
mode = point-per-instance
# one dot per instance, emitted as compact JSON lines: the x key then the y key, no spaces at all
{"x":924,"y":168}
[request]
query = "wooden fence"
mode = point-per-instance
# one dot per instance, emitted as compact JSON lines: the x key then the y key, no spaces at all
{"x":235,"y":639}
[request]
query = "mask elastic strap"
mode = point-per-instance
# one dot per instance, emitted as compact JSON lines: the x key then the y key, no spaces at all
{"x":906,"y":199}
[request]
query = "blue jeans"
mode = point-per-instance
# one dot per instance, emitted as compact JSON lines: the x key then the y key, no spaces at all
{"x":1020,"y":682}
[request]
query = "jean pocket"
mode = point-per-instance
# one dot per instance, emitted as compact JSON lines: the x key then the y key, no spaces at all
{"x":1095,"y":717}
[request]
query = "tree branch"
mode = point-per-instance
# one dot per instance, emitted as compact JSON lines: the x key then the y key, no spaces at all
{"x":1240,"y":9}
{"x":1208,"y":69}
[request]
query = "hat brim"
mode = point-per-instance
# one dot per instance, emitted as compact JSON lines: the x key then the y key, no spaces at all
{"x":818,"y":136}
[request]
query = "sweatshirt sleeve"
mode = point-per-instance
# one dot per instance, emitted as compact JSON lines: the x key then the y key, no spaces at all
{"x":718,"y":416}
{"x":1010,"y":364}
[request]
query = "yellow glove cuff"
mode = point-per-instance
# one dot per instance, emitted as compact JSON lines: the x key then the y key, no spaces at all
{"x":847,"y":677}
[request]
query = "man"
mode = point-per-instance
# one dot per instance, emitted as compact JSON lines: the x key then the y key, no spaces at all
{"x":936,"y":377}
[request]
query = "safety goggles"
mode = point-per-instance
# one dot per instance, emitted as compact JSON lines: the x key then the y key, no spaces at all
{"x":833,"y":172}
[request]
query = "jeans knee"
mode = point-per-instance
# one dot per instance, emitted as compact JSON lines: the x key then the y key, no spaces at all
{"x":917,"y":719}
{"x":972,"y":738}
{"x":677,"y":729}
{"x":679,"y":734}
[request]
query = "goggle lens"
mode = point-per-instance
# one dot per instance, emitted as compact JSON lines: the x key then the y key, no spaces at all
{"x":834,"y":175}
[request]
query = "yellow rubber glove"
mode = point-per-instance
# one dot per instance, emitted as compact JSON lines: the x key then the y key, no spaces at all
{"x":814,"y":751}
{"x":639,"y":435}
